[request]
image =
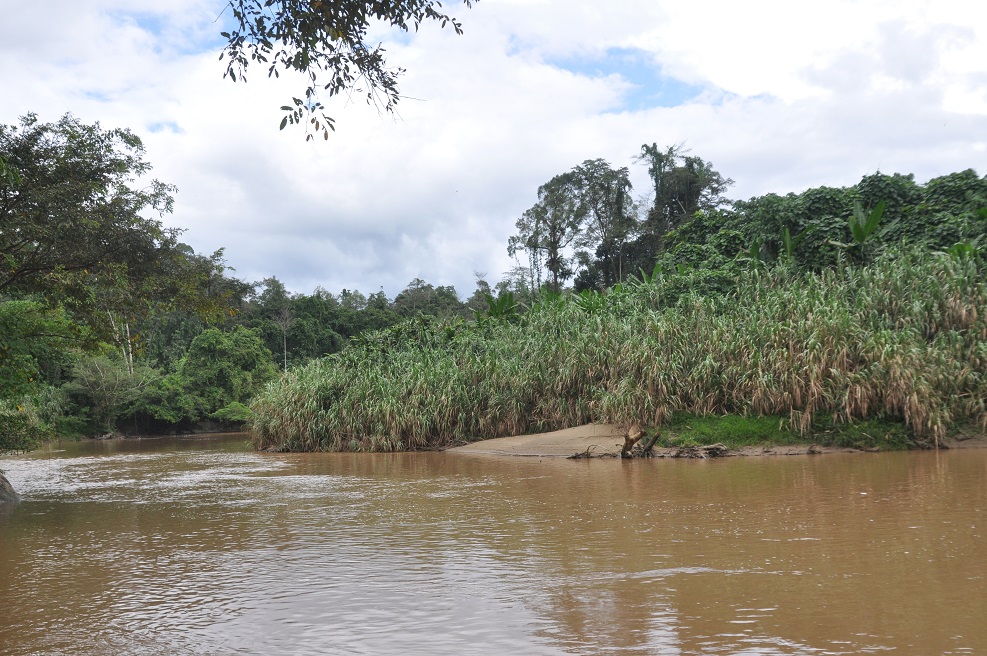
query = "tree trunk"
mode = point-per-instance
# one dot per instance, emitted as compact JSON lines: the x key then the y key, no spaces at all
{"x":123,"y":342}
{"x":129,"y":353}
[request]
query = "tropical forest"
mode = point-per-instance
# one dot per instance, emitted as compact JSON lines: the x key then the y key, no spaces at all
{"x":808,"y":314}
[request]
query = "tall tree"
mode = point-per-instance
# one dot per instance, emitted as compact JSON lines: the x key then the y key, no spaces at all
{"x":660,"y":165}
{"x":285,"y":318}
{"x":551,"y":226}
{"x":610,"y":221}
{"x":683,"y":185}
{"x":326,"y":40}
{"x":75,"y":211}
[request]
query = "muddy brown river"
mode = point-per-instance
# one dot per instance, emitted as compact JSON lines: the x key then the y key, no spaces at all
{"x":202,"y":546}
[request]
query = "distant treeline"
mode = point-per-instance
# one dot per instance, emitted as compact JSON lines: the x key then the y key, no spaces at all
{"x":587,"y":228}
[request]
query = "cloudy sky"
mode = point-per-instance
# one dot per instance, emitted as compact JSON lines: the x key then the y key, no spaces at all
{"x":779,"y":95}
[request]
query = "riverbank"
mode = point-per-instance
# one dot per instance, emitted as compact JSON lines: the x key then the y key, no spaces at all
{"x":901,"y":339}
{"x":606,"y":441}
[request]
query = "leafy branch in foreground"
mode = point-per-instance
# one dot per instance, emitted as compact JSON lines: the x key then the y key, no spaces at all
{"x":327,"y":41}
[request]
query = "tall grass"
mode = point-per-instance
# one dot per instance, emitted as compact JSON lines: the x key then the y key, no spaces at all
{"x":904,"y":338}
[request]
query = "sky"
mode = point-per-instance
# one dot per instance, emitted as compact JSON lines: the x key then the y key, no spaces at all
{"x":779,"y":95}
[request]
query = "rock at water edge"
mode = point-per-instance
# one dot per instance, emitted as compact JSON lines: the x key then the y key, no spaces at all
{"x":7,"y":493}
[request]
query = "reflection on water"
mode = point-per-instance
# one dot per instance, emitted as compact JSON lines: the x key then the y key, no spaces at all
{"x":201,"y":546}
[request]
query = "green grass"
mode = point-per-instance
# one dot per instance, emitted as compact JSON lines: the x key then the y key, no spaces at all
{"x":730,"y":430}
{"x":733,"y":431}
{"x":870,"y":434}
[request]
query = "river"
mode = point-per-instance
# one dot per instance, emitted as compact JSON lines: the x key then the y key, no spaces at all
{"x":201,"y":546}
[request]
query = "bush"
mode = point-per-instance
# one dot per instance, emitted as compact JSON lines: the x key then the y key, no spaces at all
{"x":20,"y":427}
{"x":235,"y":414}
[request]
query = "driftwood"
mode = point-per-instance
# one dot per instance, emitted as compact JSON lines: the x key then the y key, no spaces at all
{"x":588,"y":453}
{"x":633,"y":436}
{"x":707,"y":451}
{"x":647,"y":449}
{"x":636,"y":446}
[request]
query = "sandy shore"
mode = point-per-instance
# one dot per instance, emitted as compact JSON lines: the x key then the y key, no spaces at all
{"x":599,"y":439}
{"x":605,"y":440}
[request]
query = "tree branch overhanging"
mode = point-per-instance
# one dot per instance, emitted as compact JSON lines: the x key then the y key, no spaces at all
{"x":327,"y":41}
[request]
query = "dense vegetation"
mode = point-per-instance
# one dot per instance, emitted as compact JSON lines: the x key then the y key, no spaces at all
{"x":818,"y":308}
{"x":109,"y":323}
{"x":827,"y":306}
{"x":902,"y":338}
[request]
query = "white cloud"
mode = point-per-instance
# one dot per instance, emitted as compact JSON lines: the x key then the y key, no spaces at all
{"x":795,"y":95}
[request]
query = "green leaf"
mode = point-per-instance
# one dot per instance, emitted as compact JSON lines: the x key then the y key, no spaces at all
{"x":857,"y":221}
{"x":284,"y":122}
{"x":875,"y":217}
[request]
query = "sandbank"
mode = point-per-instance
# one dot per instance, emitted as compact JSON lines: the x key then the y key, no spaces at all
{"x":606,"y":440}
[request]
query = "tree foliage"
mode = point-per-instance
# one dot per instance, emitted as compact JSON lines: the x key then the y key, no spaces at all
{"x":34,"y":340}
{"x":548,"y":229}
{"x":74,"y":214}
{"x":584,"y":223}
{"x":226,"y":367}
{"x":8,"y":174}
{"x":107,"y":320}
{"x":683,"y":185}
{"x":589,"y":210}
{"x":74,"y":230}
{"x":327,"y":41}
{"x":421,"y":298}
{"x":107,"y":385}
{"x":610,"y":221}
{"x":825,"y":221}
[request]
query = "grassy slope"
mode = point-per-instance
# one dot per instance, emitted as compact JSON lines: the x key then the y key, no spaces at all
{"x":904,"y":340}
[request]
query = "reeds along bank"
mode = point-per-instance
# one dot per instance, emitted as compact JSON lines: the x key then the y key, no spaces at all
{"x":903,"y":338}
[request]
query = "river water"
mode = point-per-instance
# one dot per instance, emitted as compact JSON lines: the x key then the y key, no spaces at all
{"x":202,"y":546}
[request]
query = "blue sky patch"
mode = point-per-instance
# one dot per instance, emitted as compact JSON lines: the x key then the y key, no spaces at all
{"x":165,"y":126}
{"x":650,"y":87}
{"x":98,"y":96}
{"x":177,"y":39}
